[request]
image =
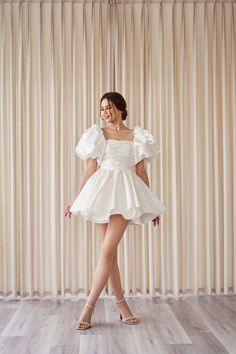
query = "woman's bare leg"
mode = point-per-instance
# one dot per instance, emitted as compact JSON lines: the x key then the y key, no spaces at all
{"x":114,"y":232}
{"x":114,"y":279}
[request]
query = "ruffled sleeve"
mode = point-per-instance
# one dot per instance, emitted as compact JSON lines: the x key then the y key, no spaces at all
{"x":91,"y":144}
{"x":145,"y":146}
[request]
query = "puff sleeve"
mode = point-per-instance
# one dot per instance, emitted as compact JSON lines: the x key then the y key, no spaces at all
{"x":91,"y":144}
{"x":145,"y":146}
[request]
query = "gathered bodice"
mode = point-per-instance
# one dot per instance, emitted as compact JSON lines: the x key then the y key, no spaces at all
{"x":113,"y":153}
{"x":118,"y":154}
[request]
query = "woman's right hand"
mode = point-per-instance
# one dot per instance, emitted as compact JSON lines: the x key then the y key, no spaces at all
{"x":156,"y":221}
{"x":67,"y":211}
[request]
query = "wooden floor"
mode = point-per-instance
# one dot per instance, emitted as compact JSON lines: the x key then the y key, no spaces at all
{"x":204,"y":325}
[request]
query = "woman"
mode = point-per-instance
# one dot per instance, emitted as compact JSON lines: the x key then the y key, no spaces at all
{"x":115,"y":194}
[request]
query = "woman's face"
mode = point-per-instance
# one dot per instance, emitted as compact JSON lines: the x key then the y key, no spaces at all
{"x":109,"y":112}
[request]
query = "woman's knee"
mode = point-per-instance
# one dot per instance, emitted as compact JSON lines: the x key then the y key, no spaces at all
{"x":107,"y":253}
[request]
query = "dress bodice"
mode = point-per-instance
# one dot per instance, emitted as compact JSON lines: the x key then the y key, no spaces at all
{"x":118,"y":154}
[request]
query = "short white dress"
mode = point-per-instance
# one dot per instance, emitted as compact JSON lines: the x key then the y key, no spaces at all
{"x":115,"y":188}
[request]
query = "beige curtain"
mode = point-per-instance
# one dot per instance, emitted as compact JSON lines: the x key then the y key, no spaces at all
{"x":175,"y":64}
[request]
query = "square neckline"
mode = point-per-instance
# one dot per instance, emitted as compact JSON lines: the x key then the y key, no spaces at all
{"x":123,"y":140}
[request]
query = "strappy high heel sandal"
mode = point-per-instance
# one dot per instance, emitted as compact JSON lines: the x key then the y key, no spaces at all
{"x":132,"y":320}
{"x":83,"y":324}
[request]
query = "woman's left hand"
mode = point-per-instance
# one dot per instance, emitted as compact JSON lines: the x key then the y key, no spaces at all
{"x":156,"y":220}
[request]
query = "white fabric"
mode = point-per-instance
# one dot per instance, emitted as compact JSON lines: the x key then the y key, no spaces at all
{"x":115,"y":188}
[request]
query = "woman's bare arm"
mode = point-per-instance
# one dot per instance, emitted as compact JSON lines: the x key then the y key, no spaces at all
{"x":141,"y":172}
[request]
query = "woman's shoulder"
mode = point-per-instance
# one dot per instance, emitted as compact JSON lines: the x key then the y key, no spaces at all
{"x":93,"y":128}
{"x":90,"y":135}
{"x":91,"y":143}
{"x":139,"y":133}
{"x":145,"y":146}
{"x":140,"y":128}
{"x":143,"y":134}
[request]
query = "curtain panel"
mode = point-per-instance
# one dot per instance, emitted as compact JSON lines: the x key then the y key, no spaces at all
{"x":175,"y":64}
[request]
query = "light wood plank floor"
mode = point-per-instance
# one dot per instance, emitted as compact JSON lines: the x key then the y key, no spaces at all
{"x":203,"y":325}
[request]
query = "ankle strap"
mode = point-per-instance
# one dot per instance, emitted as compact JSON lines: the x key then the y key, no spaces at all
{"x":91,"y":306}
{"x":123,"y":299}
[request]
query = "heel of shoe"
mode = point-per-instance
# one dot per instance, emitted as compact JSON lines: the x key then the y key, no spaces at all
{"x":117,"y":302}
{"x":125,"y":320}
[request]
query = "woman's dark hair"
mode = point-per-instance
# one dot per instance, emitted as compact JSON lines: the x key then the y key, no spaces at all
{"x":118,"y":100}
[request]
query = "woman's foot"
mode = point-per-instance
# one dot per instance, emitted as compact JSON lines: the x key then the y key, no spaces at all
{"x":84,"y":322}
{"x":126,"y":315}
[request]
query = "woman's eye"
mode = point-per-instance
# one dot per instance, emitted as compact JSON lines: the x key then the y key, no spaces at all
{"x":107,"y":108}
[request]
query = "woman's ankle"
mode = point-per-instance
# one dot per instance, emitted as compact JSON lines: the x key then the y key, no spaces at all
{"x":120,"y":300}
